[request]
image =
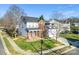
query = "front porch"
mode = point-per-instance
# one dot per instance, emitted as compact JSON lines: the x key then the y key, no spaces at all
{"x":34,"y":34}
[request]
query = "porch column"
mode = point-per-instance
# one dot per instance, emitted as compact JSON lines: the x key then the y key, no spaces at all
{"x":34,"y":33}
{"x":37,"y":33}
{"x":31,"y":33}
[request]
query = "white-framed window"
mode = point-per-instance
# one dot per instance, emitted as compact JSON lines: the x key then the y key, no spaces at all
{"x":32,"y":25}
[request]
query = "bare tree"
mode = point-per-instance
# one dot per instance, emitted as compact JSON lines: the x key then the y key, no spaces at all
{"x":13,"y":17}
{"x":57,"y":16}
{"x":58,"y":29}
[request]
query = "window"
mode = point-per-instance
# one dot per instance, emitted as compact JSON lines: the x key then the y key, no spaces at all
{"x":32,"y":25}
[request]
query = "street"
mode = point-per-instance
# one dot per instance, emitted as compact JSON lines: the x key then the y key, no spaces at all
{"x":2,"y":52}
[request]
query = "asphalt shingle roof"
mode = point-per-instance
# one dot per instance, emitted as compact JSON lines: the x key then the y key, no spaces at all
{"x":29,"y":19}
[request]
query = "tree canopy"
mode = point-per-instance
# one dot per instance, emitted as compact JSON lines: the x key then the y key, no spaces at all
{"x":41,"y":17}
{"x":13,"y":16}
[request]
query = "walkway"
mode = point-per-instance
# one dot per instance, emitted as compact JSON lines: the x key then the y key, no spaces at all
{"x":2,"y":51}
{"x":73,"y":52}
{"x":14,"y":45}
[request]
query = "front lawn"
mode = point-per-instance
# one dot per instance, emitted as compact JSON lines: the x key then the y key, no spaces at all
{"x":70,"y":36}
{"x":36,"y":45}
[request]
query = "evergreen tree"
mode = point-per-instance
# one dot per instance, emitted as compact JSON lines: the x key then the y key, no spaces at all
{"x":41,"y":17}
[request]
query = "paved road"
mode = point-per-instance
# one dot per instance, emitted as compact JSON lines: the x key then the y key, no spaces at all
{"x":2,"y":52}
{"x":76,"y":50}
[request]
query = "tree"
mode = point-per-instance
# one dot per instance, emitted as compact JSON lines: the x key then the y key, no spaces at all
{"x":1,"y":22}
{"x":13,"y":17}
{"x":57,"y":16}
{"x":41,"y":17}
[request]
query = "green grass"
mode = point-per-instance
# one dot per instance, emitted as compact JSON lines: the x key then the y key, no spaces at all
{"x":10,"y":48}
{"x":36,"y":45}
{"x":71,"y":36}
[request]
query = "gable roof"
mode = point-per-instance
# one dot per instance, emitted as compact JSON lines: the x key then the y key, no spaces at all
{"x":29,"y":19}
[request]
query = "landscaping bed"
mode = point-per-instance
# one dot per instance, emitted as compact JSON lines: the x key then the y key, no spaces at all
{"x":59,"y":51}
{"x":35,"y":46}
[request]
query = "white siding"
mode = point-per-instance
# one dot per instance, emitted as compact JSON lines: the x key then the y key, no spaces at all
{"x":76,"y":24}
{"x":52,"y":33}
{"x":32,"y":25}
{"x":65,"y":27}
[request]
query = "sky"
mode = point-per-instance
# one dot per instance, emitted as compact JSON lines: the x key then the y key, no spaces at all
{"x":36,"y":10}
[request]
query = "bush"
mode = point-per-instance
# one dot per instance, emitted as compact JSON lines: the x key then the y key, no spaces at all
{"x":70,"y":36}
{"x":65,"y":32}
{"x":10,"y":32}
{"x":74,"y":28}
{"x":75,"y":32}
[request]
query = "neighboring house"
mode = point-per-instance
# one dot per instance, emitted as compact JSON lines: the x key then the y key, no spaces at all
{"x":51,"y":27}
{"x":33,"y":27}
{"x":76,"y":24}
{"x":75,"y":28}
{"x":54,"y":27}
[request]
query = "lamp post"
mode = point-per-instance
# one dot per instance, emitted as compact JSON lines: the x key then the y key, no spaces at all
{"x":41,"y":46}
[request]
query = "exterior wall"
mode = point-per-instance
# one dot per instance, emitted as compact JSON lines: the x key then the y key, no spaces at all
{"x":66,"y":27}
{"x":51,"y":33}
{"x":32,"y":25}
{"x":42,"y":28}
{"x":56,"y":28}
{"x":53,"y":28}
{"x":76,"y":24}
{"x":22,"y":29}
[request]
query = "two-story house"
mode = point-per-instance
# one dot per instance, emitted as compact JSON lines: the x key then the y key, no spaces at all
{"x":31,"y":27}
{"x":54,"y":27}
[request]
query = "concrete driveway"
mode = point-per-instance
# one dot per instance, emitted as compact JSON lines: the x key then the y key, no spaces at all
{"x":73,"y":52}
{"x":2,"y":51}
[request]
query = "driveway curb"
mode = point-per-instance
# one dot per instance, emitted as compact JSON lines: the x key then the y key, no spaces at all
{"x":5,"y":47}
{"x":72,"y":47}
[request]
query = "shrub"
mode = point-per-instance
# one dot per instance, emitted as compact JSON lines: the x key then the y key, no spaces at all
{"x":65,"y":32}
{"x":11,"y":32}
{"x":74,"y":28}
